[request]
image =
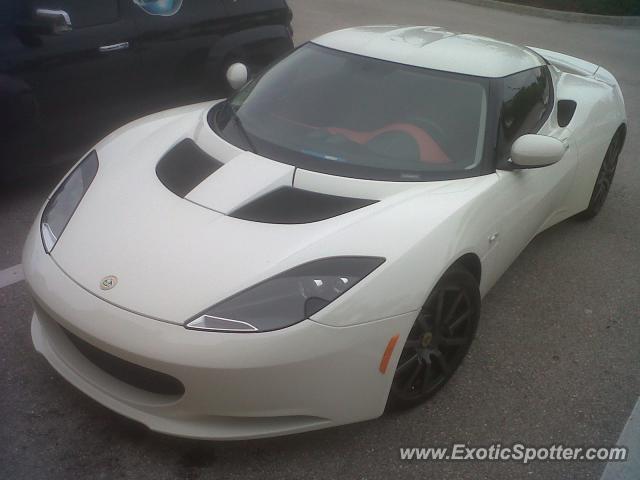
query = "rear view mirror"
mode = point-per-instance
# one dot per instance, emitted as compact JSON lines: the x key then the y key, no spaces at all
{"x":534,"y":151}
{"x":237,"y":75}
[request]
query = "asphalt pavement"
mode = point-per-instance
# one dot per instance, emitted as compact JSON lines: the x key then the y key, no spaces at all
{"x":555,"y":361}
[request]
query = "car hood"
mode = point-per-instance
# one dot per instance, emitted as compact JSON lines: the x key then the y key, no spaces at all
{"x":176,"y":256}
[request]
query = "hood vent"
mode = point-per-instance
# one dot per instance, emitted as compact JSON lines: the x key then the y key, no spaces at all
{"x":288,"y":205}
{"x":185,"y":166}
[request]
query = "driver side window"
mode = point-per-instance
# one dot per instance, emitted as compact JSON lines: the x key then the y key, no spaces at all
{"x":527,"y":101}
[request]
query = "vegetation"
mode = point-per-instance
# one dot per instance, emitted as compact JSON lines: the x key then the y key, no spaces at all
{"x":600,"y":7}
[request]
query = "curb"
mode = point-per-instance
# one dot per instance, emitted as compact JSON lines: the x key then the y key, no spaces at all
{"x":630,"y":21}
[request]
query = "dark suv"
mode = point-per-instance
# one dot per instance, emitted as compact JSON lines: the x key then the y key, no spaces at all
{"x":72,"y":70}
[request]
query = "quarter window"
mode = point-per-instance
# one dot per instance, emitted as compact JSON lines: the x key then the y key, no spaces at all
{"x":527,"y":100}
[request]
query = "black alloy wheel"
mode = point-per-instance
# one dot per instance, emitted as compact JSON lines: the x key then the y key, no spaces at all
{"x":438,"y":340}
{"x":605,"y":177}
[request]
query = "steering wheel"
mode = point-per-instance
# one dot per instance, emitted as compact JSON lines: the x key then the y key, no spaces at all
{"x":432,"y":128}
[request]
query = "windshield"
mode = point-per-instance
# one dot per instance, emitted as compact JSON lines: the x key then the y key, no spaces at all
{"x":349,"y":115}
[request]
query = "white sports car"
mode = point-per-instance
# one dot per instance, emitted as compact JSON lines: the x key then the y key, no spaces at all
{"x":314,"y":250}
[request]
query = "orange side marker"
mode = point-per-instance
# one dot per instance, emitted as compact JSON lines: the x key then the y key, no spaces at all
{"x":386,"y":356}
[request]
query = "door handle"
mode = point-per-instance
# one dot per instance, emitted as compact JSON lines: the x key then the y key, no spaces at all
{"x":59,"y":19}
{"x":114,"y":47}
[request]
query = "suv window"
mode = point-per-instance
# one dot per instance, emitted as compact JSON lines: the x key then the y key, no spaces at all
{"x":83,"y":13}
{"x":527,"y":101}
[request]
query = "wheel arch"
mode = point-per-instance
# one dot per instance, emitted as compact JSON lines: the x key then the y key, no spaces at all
{"x":622,"y":129}
{"x":471,"y":262}
{"x":452,"y":276}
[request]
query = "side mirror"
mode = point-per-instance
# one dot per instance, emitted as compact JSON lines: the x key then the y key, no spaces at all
{"x":535,"y":151}
{"x":237,"y":75}
{"x":53,"y":21}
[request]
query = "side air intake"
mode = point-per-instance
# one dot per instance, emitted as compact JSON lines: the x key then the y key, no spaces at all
{"x":288,"y":205}
{"x":566,"y":109}
{"x":185,"y":166}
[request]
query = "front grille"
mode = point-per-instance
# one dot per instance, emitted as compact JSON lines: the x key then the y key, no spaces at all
{"x":127,"y":372}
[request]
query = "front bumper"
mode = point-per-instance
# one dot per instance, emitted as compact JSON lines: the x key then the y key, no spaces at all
{"x":236,"y":386}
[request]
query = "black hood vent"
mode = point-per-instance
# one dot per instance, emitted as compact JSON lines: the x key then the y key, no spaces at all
{"x":289,"y":205}
{"x":185,"y":166}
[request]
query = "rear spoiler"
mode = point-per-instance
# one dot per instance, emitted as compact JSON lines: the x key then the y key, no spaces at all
{"x":567,"y":63}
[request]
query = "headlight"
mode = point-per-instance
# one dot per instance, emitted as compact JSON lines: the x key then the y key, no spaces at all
{"x":65,"y":200}
{"x":287,"y":298}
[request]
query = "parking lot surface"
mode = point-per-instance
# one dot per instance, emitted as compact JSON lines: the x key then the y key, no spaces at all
{"x":555,"y":361}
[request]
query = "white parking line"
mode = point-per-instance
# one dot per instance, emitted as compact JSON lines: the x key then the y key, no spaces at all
{"x":11,"y":275}
{"x":630,"y":438}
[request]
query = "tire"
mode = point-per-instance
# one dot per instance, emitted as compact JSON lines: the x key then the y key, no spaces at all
{"x":605,"y":177}
{"x":438,"y":341}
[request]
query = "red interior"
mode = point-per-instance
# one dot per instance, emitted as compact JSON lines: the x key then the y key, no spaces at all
{"x":430,"y":151}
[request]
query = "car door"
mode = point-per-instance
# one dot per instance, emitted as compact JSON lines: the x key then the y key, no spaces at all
{"x":527,"y":200}
{"x":175,"y":40}
{"x":77,"y":58}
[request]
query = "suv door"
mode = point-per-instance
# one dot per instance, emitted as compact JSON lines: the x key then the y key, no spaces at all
{"x":246,"y":7}
{"x":79,"y":75}
{"x":175,"y":40}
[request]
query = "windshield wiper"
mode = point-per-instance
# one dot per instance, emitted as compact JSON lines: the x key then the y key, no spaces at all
{"x":236,"y":119}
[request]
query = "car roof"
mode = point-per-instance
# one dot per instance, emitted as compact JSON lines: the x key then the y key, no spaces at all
{"x":434,"y":48}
